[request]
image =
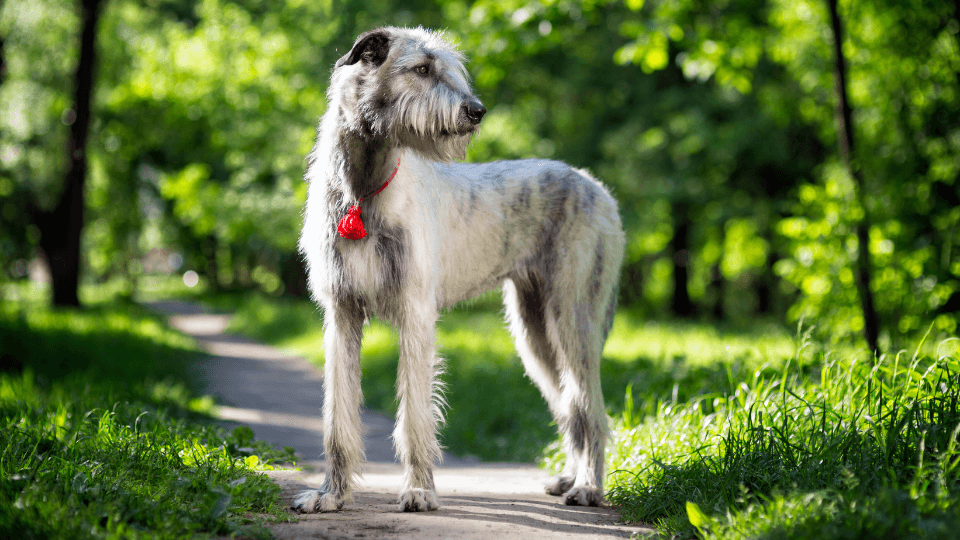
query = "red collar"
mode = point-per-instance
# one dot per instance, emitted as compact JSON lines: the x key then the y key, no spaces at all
{"x":385,"y":184}
{"x":351,"y":226}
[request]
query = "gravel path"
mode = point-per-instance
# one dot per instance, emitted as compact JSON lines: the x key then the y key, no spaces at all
{"x":279,"y":396}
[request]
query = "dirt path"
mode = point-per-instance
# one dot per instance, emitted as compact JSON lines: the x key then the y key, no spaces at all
{"x":279,"y":396}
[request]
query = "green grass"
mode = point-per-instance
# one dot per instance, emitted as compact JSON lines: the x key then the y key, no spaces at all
{"x":829,"y":448}
{"x":103,"y":435}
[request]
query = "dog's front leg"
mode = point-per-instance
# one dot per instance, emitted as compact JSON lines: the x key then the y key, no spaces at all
{"x":419,"y":414}
{"x":342,"y":436}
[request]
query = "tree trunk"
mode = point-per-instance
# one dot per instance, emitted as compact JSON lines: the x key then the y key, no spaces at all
{"x":680,"y":244}
{"x":845,"y":140}
{"x":632,"y":282}
{"x":60,"y":228}
{"x":766,"y":289}
{"x":3,"y":63}
{"x":717,"y":280}
{"x":212,"y":268}
{"x":956,"y":17}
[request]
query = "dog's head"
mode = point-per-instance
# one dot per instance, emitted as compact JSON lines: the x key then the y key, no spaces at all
{"x":408,"y":86}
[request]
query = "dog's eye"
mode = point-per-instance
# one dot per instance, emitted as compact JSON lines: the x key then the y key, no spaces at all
{"x":422,"y":70}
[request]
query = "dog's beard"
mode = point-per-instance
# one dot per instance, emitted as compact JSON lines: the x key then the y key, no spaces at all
{"x":436,"y":139}
{"x":444,"y":147}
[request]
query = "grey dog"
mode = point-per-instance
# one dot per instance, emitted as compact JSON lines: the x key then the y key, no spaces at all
{"x":395,"y":227}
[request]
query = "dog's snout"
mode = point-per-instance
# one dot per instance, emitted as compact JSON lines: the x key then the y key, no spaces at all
{"x":474,"y":110}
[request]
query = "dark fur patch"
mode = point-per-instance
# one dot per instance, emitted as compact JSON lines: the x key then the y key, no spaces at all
{"x":350,"y":310}
{"x":532,"y":308}
{"x":611,"y":310}
{"x":584,"y":329}
{"x":548,"y":258}
{"x":523,"y":197}
{"x":577,"y":429}
{"x":589,"y":200}
{"x":494,"y":177}
{"x":364,"y":164}
{"x":391,"y":250}
{"x":336,"y":481}
{"x":473,"y":199}
{"x":596,"y":275}
{"x":422,"y":473}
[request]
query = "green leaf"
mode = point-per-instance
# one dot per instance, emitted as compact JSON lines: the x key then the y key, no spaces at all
{"x":243,"y":435}
{"x":697,"y":518}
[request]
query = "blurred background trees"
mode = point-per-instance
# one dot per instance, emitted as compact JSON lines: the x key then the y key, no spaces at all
{"x":713,"y":122}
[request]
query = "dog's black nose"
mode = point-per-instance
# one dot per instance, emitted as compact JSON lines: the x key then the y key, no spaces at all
{"x":474,"y":110}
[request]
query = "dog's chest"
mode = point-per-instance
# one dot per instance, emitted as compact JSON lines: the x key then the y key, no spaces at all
{"x":378,"y":266}
{"x":361,"y":265}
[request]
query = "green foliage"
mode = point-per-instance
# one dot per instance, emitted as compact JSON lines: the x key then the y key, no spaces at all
{"x":901,"y":91}
{"x":824,"y":246}
{"x":659,"y":362}
{"x":714,"y":122}
{"x":97,"y":445}
{"x":893,"y":122}
{"x":33,"y":99}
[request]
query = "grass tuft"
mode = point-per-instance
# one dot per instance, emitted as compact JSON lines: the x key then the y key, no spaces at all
{"x":849,"y":450}
{"x":103,"y":435}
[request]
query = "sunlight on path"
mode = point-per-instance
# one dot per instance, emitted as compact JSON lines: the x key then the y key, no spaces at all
{"x":278,"y":395}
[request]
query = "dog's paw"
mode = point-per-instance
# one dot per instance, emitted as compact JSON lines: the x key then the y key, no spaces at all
{"x":558,"y":485}
{"x":583,"y":496}
{"x":418,"y":500}
{"x":312,"y":501}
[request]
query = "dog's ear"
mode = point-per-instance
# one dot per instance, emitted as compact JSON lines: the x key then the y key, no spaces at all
{"x":372,"y":47}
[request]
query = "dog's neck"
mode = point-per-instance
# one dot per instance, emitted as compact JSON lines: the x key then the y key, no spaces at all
{"x":365,"y":163}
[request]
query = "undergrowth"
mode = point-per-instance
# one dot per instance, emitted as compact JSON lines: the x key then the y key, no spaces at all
{"x":103,"y":435}
{"x":848,"y":449}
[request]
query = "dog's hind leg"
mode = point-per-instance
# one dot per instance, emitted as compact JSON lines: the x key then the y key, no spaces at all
{"x":524,"y":303}
{"x":419,"y":413}
{"x":582,"y":417}
{"x":577,"y":319}
{"x":342,"y":436}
